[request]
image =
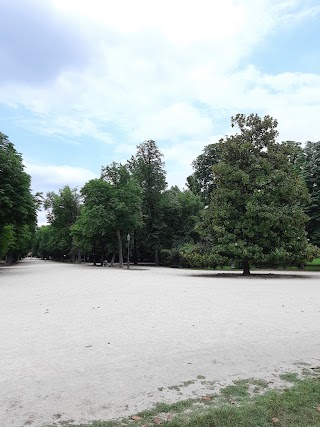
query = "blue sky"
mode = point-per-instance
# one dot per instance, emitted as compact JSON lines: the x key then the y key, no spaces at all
{"x":83,"y":82}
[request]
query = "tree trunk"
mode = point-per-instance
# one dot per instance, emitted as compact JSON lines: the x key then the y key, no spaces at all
{"x":112,"y":259}
{"x":120,"y":249}
{"x":135,"y":252}
{"x":246,"y":267}
{"x":79,"y":256}
{"x":8,"y":259}
{"x":156,"y":256}
{"x":94,"y":254}
{"x":73,"y":256}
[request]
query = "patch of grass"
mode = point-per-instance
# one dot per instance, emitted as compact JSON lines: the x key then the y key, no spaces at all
{"x":313,"y":265}
{"x":298,"y":406}
{"x":168,"y":407}
{"x":291,"y":377}
{"x":295,"y":407}
{"x":258,"y":382}
{"x":316,"y":261}
{"x":240,"y":389}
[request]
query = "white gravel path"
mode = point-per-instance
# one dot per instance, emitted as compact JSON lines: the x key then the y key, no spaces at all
{"x":88,"y":343}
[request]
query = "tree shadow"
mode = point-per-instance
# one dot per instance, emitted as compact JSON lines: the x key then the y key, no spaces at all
{"x":264,"y":276}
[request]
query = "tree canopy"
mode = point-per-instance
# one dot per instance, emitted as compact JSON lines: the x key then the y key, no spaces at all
{"x":256,"y":213}
{"x":311,"y":171}
{"x":17,"y":204}
{"x":201,"y":182}
{"x":148,"y":170}
{"x":247,"y":204}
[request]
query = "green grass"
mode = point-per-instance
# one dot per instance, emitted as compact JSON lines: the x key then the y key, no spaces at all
{"x":290,"y":377}
{"x":238,"y":390}
{"x":315,"y":262}
{"x":314,"y":265}
{"x":297,"y":406}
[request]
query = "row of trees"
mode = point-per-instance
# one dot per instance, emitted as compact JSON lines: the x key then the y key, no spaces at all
{"x":17,"y":204}
{"x":249,"y":202}
{"x":127,"y":199}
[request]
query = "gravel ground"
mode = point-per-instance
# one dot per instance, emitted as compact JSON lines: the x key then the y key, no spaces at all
{"x":87,"y":343}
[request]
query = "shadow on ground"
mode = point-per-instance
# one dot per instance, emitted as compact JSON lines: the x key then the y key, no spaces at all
{"x":254,"y":276}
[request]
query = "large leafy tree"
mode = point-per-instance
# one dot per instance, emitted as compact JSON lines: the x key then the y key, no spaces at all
{"x":44,"y":244}
{"x":147,"y":168}
{"x":124,"y":203}
{"x":62,"y":212}
{"x":202,"y":182}
{"x":94,"y":228}
{"x":311,"y":170}
{"x":256,"y":212}
{"x":17,"y":205}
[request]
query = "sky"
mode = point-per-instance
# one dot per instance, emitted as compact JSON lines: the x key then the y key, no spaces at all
{"x":82,"y":83}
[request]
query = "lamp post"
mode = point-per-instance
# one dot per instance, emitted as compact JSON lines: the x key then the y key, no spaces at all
{"x":128,"y":260}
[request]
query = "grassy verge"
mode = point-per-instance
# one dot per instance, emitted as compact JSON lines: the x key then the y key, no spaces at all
{"x":245,"y":403}
{"x":314,"y":265}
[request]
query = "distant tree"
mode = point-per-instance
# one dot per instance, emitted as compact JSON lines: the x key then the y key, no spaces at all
{"x":256,"y":211}
{"x":179,"y":212}
{"x":201,"y":182}
{"x":62,"y":212}
{"x":124,"y":204}
{"x":147,"y":168}
{"x":43,"y":244}
{"x":94,"y":228}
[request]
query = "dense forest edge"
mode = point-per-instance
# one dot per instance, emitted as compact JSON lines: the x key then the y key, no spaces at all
{"x":250,"y":201}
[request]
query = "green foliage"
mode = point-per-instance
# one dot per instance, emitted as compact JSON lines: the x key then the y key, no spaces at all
{"x":311,"y":171}
{"x":62,"y":208}
{"x":201,"y":255}
{"x":62,"y":212}
{"x":125,"y":200}
{"x":256,"y":212}
{"x":44,"y":244}
{"x":147,"y":168}
{"x":17,"y":205}
{"x":96,"y":217}
{"x":192,"y":255}
{"x":202,"y":182}
{"x":112,"y":205}
{"x":179,"y":211}
{"x":7,"y":241}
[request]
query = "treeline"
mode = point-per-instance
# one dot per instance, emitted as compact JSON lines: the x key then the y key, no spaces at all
{"x":250,"y":201}
{"x":17,"y":205}
{"x":127,"y":201}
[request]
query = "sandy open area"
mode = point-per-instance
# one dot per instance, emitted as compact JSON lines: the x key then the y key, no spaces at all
{"x":88,"y":343}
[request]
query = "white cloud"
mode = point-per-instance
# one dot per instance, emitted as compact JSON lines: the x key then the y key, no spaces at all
{"x":52,"y":177}
{"x":173,"y":122}
{"x":169,"y":71}
{"x":179,"y":157}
